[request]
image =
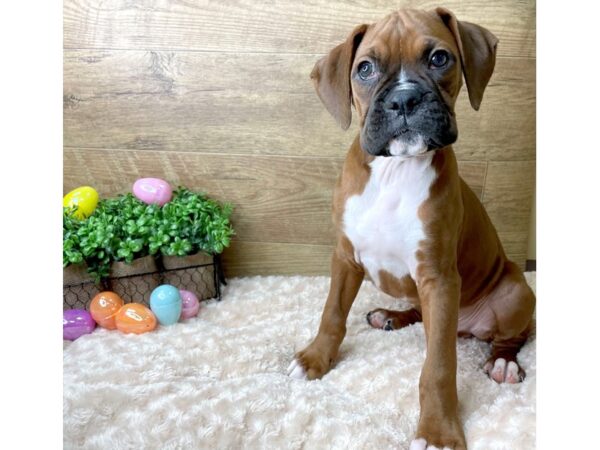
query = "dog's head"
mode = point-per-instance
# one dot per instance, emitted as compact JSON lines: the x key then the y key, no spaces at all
{"x":403,"y":75}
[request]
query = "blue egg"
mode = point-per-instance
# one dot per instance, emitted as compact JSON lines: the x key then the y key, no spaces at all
{"x":165,"y":303}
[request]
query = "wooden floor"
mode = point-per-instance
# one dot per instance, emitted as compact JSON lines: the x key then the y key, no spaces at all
{"x":216,"y":96}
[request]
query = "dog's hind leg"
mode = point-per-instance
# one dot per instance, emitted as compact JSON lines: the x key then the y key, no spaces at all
{"x":502,"y":366}
{"x":388,"y":319}
{"x":513,"y":303}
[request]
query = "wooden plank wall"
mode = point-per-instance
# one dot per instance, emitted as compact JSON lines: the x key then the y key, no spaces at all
{"x":216,"y":95}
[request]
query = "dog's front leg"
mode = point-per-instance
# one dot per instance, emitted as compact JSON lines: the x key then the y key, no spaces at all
{"x":315,"y":360}
{"x":439,"y":425}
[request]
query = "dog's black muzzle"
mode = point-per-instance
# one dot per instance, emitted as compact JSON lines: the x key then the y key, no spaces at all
{"x":405,"y":111}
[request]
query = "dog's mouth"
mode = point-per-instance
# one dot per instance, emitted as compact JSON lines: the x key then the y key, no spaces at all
{"x":406,"y":142}
{"x":401,"y":132}
{"x":430,"y":127}
{"x":403,"y":140}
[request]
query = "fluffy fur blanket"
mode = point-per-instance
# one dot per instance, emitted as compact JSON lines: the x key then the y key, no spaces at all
{"x":218,"y":381}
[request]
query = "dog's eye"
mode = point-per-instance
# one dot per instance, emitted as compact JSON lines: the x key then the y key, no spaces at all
{"x":439,"y":59}
{"x":365,"y":70}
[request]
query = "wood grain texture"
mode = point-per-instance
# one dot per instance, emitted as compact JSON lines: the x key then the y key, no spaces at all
{"x":282,"y":26}
{"x":273,"y":258}
{"x":508,"y":193}
{"x":508,"y":199}
{"x":257,"y":104}
{"x":277,"y":198}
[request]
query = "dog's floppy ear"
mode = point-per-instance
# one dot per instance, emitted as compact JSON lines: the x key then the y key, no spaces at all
{"x":331,"y":77}
{"x":477,"y":47}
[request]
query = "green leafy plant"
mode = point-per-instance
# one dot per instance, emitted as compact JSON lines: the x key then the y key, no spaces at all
{"x":124,"y":228}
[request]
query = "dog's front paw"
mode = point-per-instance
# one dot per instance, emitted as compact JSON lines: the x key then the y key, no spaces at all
{"x":309,"y":364}
{"x":296,"y":370}
{"x":421,"y":444}
{"x":440,"y":434}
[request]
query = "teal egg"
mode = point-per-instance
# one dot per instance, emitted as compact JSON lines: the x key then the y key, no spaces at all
{"x":165,"y":303}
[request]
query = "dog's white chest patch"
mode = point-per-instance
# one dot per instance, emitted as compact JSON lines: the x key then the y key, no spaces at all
{"x":382,"y":222}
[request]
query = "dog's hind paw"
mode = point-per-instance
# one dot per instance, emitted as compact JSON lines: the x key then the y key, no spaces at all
{"x":389,"y":320}
{"x":502,"y":372}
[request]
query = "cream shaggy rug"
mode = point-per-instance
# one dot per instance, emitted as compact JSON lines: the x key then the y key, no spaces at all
{"x":219,"y":381}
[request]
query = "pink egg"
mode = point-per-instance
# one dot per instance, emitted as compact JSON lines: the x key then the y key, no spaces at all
{"x":152,"y":191}
{"x":190,"y":304}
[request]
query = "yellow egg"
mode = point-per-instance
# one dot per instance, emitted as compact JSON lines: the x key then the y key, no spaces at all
{"x":85,"y":198}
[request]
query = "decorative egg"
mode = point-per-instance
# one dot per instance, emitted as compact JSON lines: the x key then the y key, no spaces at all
{"x":135,"y":318}
{"x":189,"y":304}
{"x":165,"y":302}
{"x":76,"y":323}
{"x":152,"y":191}
{"x":104,"y":307}
{"x":85,"y":198}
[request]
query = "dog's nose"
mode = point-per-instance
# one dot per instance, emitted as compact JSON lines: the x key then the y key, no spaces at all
{"x":403,"y":100}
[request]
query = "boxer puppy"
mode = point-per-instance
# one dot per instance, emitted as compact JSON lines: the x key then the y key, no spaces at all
{"x":404,"y":216}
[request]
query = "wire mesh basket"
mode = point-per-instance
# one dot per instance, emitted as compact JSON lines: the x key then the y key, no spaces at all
{"x":203,"y":279}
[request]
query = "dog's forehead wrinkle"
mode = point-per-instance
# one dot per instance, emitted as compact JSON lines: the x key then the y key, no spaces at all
{"x":393,"y":51}
{"x":391,"y":32}
{"x":407,"y":31}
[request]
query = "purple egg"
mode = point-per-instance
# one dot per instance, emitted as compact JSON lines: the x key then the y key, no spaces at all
{"x":76,"y":323}
{"x":190,"y":304}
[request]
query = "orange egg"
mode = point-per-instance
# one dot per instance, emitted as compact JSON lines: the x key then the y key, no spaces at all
{"x":135,"y":318}
{"x":104,"y":308}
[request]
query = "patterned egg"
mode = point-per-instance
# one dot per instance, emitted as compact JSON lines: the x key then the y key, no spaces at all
{"x":76,"y":323}
{"x":85,"y":198}
{"x":189,"y":304}
{"x":135,"y":318}
{"x":152,"y":191}
{"x":165,"y":302}
{"x":104,"y":307}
